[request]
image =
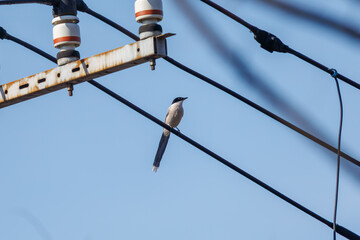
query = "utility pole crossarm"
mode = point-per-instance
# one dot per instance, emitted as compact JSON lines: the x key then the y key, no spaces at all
{"x":83,"y":70}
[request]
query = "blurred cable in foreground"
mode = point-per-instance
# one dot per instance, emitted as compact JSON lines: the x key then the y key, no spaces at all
{"x":314,"y":17}
{"x":33,"y":221}
{"x":242,"y":69}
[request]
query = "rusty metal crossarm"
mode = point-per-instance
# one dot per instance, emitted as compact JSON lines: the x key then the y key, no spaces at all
{"x":83,"y":70}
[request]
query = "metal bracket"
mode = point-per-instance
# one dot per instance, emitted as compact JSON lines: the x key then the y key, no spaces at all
{"x":83,"y":70}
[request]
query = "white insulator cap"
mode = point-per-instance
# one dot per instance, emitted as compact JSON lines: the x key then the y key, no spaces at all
{"x":66,"y":32}
{"x":148,"y":10}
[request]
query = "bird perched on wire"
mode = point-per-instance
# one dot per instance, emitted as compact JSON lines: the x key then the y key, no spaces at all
{"x":173,"y":117}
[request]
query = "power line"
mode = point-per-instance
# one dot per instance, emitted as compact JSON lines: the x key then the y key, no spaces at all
{"x":241,"y":68}
{"x":47,"y":2}
{"x":111,"y":23}
{"x":313,"y":17}
{"x":5,"y":35}
{"x":263,"y":110}
{"x":83,"y":7}
{"x":272,"y":43}
{"x":339,"y":229}
{"x":232,"y":93}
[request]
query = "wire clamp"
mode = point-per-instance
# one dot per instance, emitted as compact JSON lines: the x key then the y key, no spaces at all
{"x":334,"y":73}
{"x":269,"y":42}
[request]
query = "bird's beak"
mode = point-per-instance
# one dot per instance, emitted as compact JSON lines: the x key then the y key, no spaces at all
{"x":185,"y":98}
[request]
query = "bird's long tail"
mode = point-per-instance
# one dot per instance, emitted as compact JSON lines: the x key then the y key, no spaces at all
{"x":161,"y":149}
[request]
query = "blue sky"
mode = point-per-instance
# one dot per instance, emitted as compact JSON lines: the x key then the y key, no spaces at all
{"x":80,"y":167}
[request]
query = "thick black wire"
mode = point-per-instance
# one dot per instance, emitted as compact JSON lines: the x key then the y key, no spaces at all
{"x":31,"y":47}
{"x":242,"y":69}
{"x":212,"y":154}
{"x":338,"y":157}
{"x":289,"y":50}
{"x":47,"y":2}
{"x":322,"y":67}
{"x":229,"y":91}
{"x":263,"y":110}
{"x":341,"y":230}
{"x":111,"y":23}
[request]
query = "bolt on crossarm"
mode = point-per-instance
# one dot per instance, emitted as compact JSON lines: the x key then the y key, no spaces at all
{"x":66,"y":33}
{"x":148,"y":13}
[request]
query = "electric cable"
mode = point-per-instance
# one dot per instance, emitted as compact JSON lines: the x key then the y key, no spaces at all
{"x":229,"y":91}
{"x":10,"y":2}
{"x":109,"y":22}
{"x":86,"y":9}
{"x":29,"y":46}
{"x":338,"y":155}
{"x":272,"y":43}
{"x":313,"y":17}
{"x":242,"y":68}
{"x":339,"y":229}
{"x":263,"y":110}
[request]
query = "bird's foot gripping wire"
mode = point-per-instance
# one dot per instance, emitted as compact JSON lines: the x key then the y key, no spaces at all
{"x":178,"y":130}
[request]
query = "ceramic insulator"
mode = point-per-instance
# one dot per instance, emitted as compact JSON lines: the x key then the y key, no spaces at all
{"x":66,"y":32}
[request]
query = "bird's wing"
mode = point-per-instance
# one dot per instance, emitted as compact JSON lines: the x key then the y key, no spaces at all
{"x":167,"y":114}
{"x":161,"y":149}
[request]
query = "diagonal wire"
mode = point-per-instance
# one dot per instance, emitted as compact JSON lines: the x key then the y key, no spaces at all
{"x":230,"y":92}
{"x":313,"y":17}
{"x":46,"y":2}
{"x":339,"y":229}
{"x":271,"y":43}
{"x":238,"y":64}
{"x":242,"y":69}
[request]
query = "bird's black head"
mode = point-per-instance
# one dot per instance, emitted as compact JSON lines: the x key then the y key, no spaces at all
{"x":178,"y":99}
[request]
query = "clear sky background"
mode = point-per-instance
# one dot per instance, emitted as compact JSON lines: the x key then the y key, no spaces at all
{"x":79,"y":168}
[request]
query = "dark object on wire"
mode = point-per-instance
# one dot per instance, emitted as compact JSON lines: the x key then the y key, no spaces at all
{"x":341,"y":230}
{"x":64,"y":7}
{"x":272,"y":43}
{"x":313,"y":17}
{"x":229,"y":91}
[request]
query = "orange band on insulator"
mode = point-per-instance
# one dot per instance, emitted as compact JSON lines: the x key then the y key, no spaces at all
{"x":148,"y":12}
{"x":66,"y":39}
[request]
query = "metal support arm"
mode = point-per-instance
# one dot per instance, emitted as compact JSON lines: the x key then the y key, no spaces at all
{"x":83,"y":70}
